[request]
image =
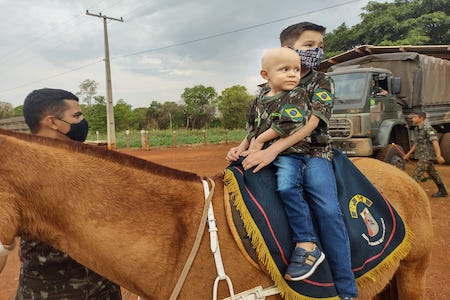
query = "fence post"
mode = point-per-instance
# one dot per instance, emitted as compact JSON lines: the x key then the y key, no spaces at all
{"x":226,"y":136}
{"x":204,"y":136}
{"x":97,"y":134}
{"x":174,"y":138}
{"x":127,"y":138}
{"x":142,"y":139}
{"x":147,"y":142}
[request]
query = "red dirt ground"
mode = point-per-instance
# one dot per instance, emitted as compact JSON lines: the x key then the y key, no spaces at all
{"x":209,"y":160}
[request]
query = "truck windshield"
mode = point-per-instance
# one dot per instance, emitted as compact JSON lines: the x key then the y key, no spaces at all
{"x":349,"y":89}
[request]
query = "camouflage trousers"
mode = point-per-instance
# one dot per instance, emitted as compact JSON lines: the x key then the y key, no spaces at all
{"x":36,"y":286}
{"x":426,"y":166}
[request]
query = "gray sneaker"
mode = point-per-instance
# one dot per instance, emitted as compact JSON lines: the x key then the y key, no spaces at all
{"x":303,"y":263}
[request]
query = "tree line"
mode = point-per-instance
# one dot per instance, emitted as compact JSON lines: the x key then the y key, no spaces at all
{"x":201,"y":107}
{"x":402,"y":22}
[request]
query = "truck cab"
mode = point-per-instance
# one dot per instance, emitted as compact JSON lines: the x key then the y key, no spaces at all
{"x":366,"y":117}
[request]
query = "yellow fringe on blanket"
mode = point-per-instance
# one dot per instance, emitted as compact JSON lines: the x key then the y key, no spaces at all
{"x":258,"y":242}
{"x":264,"y":255}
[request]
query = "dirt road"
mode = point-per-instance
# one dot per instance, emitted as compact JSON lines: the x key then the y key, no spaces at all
{"x":209,"y":161}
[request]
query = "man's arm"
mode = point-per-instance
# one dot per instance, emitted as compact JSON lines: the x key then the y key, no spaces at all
{"x":264,"y":157}
{"x":407,"y":155}
{"x":437,"y":151}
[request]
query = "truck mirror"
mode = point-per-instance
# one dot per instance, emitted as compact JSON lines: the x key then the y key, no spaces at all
{"x":396,"y":85}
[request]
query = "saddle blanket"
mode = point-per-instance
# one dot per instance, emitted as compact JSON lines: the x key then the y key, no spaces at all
{"x":376,"y":231}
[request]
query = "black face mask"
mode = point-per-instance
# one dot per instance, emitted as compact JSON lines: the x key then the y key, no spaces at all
{"x":78,"y":131}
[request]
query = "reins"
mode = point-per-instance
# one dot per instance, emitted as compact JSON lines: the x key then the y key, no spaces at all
{"x":195,"y":247}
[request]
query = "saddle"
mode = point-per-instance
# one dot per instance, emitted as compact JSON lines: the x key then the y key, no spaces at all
{"x":257,"y":220}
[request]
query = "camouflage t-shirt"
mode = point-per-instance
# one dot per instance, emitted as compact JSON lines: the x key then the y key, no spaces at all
{"x":314,"y":96}
{"x":47,"y":273}
{"x":320,"y":89}
{"x":285,"y":113}
{"x":424,"y":135}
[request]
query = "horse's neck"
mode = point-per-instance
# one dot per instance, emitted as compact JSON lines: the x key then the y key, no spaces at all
{"x":102,"y":213}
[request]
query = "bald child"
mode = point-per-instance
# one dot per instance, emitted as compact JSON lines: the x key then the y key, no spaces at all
{"x":281,"y":68}
{"x":281,"y":109}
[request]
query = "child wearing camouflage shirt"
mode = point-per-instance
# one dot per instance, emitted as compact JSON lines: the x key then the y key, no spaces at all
{"x":303,"y":158}
{"x":281,"y":109}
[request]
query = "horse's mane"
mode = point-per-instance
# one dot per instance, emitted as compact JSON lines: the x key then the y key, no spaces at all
{"x":103,"y":153}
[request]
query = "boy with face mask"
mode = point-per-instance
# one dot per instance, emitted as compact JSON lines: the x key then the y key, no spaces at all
{"x":45,"y":272}
{"x":312,"y":174}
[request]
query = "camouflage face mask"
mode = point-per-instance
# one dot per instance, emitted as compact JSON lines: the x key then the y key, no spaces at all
{"x":310,"y":58}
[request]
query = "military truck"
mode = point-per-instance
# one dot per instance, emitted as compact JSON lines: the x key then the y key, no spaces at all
{"x":378,"y":88}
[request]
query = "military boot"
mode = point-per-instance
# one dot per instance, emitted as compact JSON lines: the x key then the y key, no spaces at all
{"x":442,"y":191}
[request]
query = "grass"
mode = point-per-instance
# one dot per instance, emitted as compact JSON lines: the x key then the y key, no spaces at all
{"x":161,"y":138}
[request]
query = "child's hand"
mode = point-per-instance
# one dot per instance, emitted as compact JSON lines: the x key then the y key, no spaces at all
{"x":254,"y":146}
{"x":233,"y":154}
{"x":440,"y":159}
{"x":259,"y":159}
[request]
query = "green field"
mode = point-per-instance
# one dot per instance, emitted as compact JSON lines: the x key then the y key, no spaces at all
{"x":161,"y":138}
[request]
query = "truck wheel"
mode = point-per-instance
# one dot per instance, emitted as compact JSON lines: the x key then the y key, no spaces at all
{"x":392,"y":156}
{"x":445,"y":147}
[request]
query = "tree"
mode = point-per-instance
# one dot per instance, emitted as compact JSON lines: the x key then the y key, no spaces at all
{"x":234,"y":103}
{"x":402,"y":22}
{"x":88,"y":89}
{"x":97,"y":118}
{"x":172,"y":115}
{"x":141,"y":118}
{"x":123,"y":115}
{"x":154,"y":113}
{"x":17,"y":111}
{"x":198,"y":105}
{"x":6,"y":109}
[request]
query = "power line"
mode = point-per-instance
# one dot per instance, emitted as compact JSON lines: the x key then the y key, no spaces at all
{"x":182,"y":43}
{"x":28,"y":44}
{"x":229,"y":32}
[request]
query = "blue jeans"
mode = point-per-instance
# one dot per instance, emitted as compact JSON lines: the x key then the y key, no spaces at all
{"x":307,"y":186}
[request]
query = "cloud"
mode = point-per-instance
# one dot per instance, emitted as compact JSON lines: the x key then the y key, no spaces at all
{"x":161,"y":48}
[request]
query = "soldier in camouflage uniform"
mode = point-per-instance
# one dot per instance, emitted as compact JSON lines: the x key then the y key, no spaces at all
{"x":307,"y":153}
{"x":427,"y":150}
{"x":45,"y":272}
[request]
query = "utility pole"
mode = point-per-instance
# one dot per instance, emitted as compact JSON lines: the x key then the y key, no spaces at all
{"x":110,"y":127}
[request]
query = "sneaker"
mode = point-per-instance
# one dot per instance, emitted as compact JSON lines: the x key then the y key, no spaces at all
{"x":303,"y":263}
{"x":346,"y":298}
{"x":440,"y":194}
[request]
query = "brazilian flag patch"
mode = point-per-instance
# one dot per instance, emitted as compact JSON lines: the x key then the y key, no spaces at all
{"x":293,"y":112}
{"x":323,"y":95}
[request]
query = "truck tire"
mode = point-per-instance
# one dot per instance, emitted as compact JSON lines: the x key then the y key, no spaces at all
{"x":393,"y":156}
{"x":445,"y":147}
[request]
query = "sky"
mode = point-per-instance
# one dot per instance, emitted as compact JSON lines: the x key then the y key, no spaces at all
{"x":160,"y":48}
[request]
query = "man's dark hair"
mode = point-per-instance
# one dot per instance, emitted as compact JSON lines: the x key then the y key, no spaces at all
{"x":42,"y":102}
{"x":290,"y":35}
{"x":421,"y":114}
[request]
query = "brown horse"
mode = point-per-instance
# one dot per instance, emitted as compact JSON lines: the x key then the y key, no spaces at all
{"x":135,"y":222}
